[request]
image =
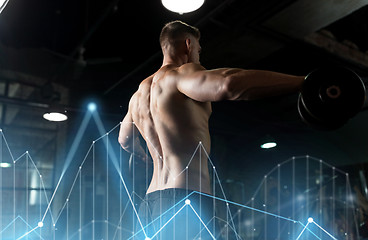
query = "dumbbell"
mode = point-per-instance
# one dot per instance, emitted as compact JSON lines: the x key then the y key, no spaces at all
{"x":330,"y":97}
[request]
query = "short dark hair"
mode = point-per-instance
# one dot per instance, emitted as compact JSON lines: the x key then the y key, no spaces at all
{"x":176,"y":30}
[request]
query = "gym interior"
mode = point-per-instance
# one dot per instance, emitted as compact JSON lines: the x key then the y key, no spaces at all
{"x":71,"y":180}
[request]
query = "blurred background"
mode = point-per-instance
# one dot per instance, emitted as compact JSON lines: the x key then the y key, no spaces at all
{"x":63,"y":55}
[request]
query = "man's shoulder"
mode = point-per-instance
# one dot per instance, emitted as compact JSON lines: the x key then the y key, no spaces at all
{"x":190,"y":67}
{"x":146,"y":83}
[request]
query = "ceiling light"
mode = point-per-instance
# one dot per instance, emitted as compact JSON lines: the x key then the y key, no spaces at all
{"x":182,"y":6}
{"x":55,"y":116}
{"x":268,"y":145}
{"x":267,"y":142}
{"x":5,"y":165}
{"x":3,"y":4}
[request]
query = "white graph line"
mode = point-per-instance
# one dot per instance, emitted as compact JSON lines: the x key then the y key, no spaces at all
{"x":168,"y":210}
{"x":200,"y":219}
{"x":6,"y":144}
{"x":27,"y":233}
{"x":305,"y":227}
{"x":222,"y":190}
{"x":121,"y":218}
{"x":42,"y":183}
{"x":168,"y":221}
{"x":113,"y":159}
{"x":324,"y":230}
{"x":70,"y":156}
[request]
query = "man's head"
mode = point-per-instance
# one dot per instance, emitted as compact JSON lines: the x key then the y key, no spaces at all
{"x":177,"y":37}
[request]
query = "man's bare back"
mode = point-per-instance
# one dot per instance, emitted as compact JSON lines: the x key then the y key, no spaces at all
{"x":172,"y":107}
{"x":173,"y":126}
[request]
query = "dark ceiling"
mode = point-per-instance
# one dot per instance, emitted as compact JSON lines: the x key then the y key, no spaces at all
{"x":102,"y":49}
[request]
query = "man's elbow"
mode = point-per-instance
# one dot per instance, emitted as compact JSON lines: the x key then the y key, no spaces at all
{"x":123,"y":141}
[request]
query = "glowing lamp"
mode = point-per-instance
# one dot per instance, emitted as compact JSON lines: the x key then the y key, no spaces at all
{"x":268,"y":145}
{"x":55,"y":116}
{"x":267,"y":142}
{"x":182,"y":6}
{"x":3,"y":4}
{"x":5,"y":165}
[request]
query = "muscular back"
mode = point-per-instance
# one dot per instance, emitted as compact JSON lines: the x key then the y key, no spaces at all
{"x":173,"y":126}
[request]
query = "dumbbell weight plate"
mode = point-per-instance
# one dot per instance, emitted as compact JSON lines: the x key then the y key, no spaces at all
{"x":333,"y":93}
{"x":318,"y":123}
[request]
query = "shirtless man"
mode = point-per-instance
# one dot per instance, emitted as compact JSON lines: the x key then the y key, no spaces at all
{"x":171,"y":110}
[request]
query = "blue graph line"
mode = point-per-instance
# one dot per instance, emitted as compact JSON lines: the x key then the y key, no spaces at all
{"x":9,"y":225}
{"x":309,"y":230}
{"x":113,"y":159}
{"x":70,"y":156}
{"x":161,"y":215}
{"x":240,"y":205}
{"x":13,"y":221}
{"x":305,"y":227}
{"x":163,"y":226}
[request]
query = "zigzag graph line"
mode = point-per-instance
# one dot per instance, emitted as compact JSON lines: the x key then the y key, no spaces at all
{"x":113,"y":159}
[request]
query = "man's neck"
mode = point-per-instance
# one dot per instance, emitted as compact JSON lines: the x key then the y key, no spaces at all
{"x":177,"y":60}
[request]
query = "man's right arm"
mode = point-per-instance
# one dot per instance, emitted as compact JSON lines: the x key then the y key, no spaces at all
{"x":234,"y":83}
{"x":129,"y":136}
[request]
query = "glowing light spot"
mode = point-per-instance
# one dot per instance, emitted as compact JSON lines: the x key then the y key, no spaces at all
{"x":300,"y":198}
{"x":5,"y":165}
{"x":310,"y":220}
{"x":248,"y":223}
{"x":147,"y":238}
{"x":182,"y":6}
{"x":268,"y":145}
{"x":92,"y":107}
{"x":40,"y":224}
{"x":55,"y":116}
{"x":187,"y":201}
